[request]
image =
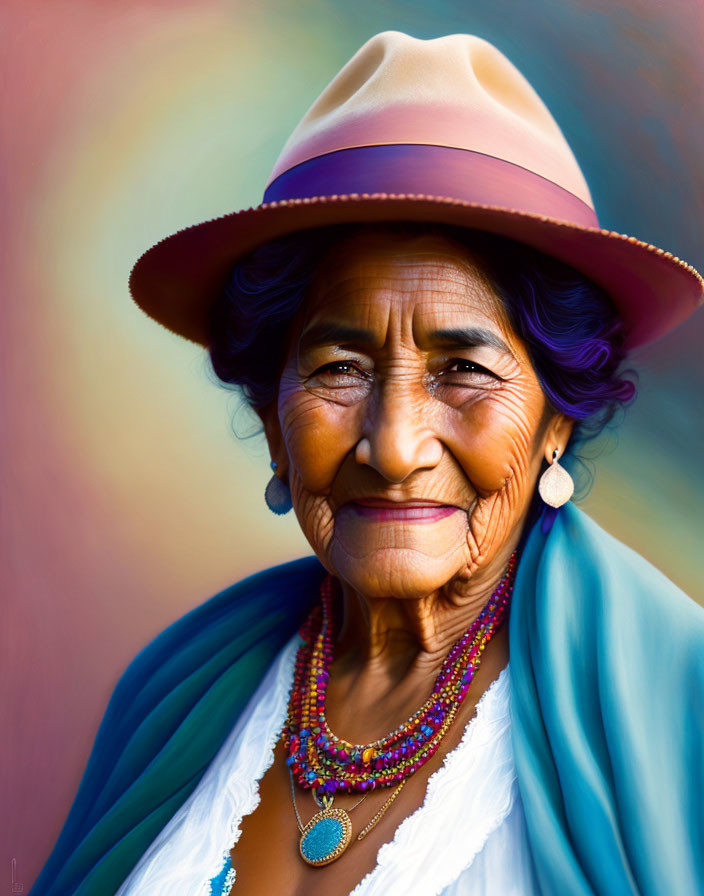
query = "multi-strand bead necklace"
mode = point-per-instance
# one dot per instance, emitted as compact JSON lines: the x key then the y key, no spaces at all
{"x":320,"y":761}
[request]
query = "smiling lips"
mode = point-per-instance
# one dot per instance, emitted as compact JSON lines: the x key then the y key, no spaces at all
{"x":406,"y":511}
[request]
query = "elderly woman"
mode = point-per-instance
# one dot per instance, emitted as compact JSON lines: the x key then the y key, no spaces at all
{"x":470,"y":688}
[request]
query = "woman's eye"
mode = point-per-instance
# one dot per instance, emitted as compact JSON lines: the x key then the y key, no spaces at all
{"x":462,"y":365}
{"x":459,"y":371}
{"x":340,"y":368}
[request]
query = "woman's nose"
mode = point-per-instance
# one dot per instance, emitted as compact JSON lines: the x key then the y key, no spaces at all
{"x":398,"y":439}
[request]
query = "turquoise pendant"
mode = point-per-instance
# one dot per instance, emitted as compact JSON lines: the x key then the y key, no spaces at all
{"x":326,"y":836}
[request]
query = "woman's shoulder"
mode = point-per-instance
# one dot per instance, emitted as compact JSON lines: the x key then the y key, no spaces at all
{"x":247,"y":623}
{"x":589,"y":610}
{"x":614,"y":580}
{"x":268,"y":600}
{"x":607,"y":673}
{"x":169,"y":714}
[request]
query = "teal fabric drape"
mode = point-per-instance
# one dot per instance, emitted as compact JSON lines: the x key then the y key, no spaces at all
{"x":168,"y":716}
{"x":607,"y":671}
{"x":607,"y":660}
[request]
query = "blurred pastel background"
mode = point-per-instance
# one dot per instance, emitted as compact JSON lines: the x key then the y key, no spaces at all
{"x":126,"y":498}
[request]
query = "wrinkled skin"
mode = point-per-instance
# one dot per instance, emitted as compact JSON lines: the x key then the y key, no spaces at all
{"x":399,"y":415}
{"x":396,"y":414}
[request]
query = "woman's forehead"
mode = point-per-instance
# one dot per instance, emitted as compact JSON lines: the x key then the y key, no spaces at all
{"x":428,"y":277}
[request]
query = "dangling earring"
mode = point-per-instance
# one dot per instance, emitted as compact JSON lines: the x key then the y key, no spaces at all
{"x":555,"y":485}
{"x":277,"y":494}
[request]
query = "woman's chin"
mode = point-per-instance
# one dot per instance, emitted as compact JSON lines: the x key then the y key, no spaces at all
{"x":404,"y":560}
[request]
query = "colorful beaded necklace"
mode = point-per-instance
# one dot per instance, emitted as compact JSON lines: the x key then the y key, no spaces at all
{"x":320,"y":761}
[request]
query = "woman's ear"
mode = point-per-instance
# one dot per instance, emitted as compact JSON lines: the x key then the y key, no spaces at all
{"x":557,"y":436}
{"x":269,"y":416}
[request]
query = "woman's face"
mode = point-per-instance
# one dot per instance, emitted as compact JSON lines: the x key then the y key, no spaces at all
{"x":404,"y":383}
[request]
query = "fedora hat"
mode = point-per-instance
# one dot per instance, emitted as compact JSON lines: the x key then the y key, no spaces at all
{"x":442,"y":131}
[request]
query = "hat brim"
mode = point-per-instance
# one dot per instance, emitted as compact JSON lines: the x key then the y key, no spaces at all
{"x":178,"y":279}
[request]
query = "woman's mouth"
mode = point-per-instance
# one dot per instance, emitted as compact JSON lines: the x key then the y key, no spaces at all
{"x":401,"y":511}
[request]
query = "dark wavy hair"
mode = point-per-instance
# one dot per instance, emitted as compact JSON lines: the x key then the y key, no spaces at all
{"x":571,"y":329}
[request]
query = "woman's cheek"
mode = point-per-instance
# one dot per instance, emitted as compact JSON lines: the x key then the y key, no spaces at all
{"x":494,"y":444}
{"x":317,"y":437}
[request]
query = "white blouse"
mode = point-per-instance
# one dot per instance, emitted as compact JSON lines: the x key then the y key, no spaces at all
{"x":467,"y":839}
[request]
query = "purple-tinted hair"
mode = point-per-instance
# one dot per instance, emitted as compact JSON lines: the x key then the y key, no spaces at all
{"x":569,"y":325}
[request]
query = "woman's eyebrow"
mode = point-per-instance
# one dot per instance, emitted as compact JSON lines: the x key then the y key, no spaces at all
{"x":334,"y":333}
{"x":468,"y":337}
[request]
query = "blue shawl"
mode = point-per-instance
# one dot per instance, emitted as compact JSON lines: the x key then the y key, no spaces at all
{"x":607,"y":671}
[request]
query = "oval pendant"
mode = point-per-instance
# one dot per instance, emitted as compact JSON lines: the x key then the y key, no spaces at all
{"x":326,"y":836}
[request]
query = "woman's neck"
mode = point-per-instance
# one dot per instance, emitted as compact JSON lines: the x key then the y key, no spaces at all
{"x":379,"y":630}
{"x":383,"y":641}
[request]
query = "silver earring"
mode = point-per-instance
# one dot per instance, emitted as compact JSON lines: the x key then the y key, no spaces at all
{"x":277,"y":494}
{"x":555,"y":485}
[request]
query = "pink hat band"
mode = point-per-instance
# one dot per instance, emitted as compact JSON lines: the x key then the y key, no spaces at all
{"x":437,"y":171}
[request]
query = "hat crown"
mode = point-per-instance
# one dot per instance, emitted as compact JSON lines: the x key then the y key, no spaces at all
{"x":454,"y":91}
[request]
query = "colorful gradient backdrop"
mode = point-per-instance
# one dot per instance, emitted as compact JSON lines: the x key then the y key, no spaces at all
{"x":126,"y":498}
